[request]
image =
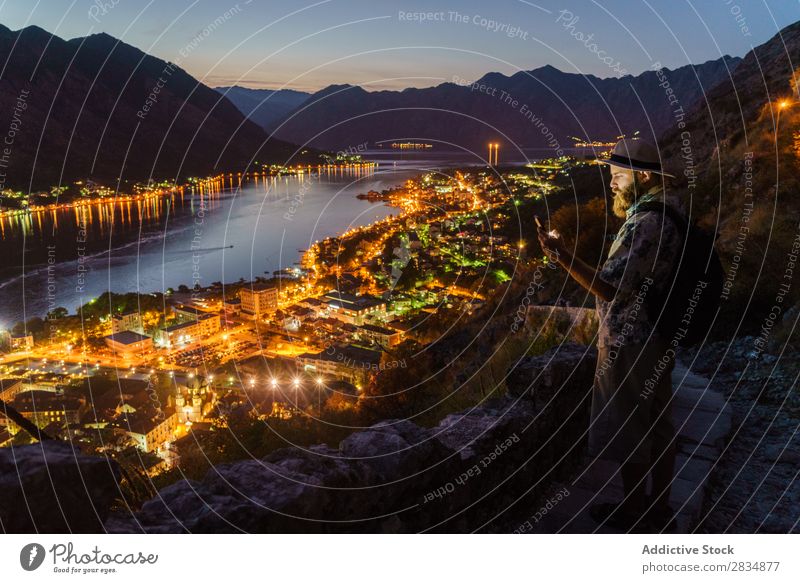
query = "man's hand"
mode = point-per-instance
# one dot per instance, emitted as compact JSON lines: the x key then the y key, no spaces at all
{"x":552,"y":244}
{"x":586,"y":276}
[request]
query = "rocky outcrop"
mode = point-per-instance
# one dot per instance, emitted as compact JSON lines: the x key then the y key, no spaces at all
{"x":50,"y":487}
{"x":462,"y":475}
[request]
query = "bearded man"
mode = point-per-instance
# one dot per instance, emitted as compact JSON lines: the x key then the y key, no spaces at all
{"x":631,"y":420}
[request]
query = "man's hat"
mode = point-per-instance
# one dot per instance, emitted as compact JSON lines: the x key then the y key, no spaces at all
{"x":634,"y":154}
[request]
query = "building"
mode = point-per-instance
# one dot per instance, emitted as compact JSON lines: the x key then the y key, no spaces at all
{"x":349,"y":363}
{"x":194,"y":404}
{"x":186,"y":332}
{"x":232,"y":306}
{"x":151,"y":431}
{"x":296,"y":316}
{"x":188,"y":313}
{"x":259,"y":299}
{"x":6,"y":437}
{"x":19,"y":342}
{"x":386,"y":337}
{"x":312,"y":304}
{"x":353,"y":309}
{"x":43,"y":408}
{"x":129,"y":342}
{"x":10,"y":388}
{"x":128,"y":396}
{"x":128,"y":321}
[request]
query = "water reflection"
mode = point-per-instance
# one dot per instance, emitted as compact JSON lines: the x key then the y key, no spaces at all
{"x":239,"y":226}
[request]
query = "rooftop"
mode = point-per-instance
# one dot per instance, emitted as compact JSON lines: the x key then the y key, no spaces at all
{"x":259,"y":287}
{"x":144,"y":423}
{"x":352,"y":301}
{"x":348,"y":354}
{"x":176,"y":327}
{"x":127,"y":337}
{"x":125,"y":314}
{"x":379,"y":329}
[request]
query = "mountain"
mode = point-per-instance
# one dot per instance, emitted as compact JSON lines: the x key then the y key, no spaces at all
{"x":264,"y":106}
{"x":523,"y":108}
{"x":740,"y":112}
{"x":738,"y":163}
{"x":96,"y":107}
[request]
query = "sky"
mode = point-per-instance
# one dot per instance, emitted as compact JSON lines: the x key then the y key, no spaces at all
{"x":380,"y":44}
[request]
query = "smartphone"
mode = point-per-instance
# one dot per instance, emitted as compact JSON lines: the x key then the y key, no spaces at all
{"x":538,"y":222}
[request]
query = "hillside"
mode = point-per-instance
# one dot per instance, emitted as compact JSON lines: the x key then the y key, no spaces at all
{"x":738,"y":159}
{"x":97,"y":107}
{"x":263,"y":106}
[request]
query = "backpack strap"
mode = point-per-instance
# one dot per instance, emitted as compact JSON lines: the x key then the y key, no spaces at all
{"x":677,"y":220}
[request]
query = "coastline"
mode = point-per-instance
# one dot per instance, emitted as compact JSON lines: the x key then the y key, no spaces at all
{"x":208,"y":184}
{"x":163,"y":246}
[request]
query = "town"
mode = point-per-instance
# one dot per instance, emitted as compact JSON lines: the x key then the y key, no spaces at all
{"x":148,"y":373}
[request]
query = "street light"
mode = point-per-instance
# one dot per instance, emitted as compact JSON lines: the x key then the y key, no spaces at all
{"x":782,"y":104}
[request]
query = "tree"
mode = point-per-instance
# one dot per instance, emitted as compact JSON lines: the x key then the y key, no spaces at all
{"x":57,"y":313}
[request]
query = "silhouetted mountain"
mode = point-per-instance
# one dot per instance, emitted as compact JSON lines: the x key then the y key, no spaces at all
{"x":523,"y":108}
{"x":740,"y":111}
{"x":264,"y":106}
{"x":83,"y":108}
{"x":738,"y":160}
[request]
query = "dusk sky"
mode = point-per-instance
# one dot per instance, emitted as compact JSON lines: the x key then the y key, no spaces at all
{"x":308,"y":45}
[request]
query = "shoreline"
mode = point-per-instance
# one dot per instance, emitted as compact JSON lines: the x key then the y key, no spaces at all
{"x":208,"y":184}
{"x":215,"y":183}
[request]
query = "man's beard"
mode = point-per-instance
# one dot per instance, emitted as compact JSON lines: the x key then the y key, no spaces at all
{"x":624,"y":199}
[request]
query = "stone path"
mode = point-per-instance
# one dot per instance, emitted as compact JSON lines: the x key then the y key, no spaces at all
{"x":703,"y":421}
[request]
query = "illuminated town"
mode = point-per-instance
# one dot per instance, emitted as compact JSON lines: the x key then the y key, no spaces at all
{"x":151,"y":371}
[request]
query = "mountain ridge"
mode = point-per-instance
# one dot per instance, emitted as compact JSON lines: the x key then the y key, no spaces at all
{"x":90,"y":113}
{"x":263,"y":106}
{"x":572,"y":104}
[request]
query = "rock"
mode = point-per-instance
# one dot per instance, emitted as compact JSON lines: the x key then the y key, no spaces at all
{"x":396,"y":476}
{"x":50,"y":487}
{"x":569,"y":367}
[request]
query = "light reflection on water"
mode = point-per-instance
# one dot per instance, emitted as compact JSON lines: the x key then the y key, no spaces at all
{"x":73,"y":255}
{"x":153,"y":245}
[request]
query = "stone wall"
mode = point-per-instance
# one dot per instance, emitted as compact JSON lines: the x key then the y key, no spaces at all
{"x":477,"y":470}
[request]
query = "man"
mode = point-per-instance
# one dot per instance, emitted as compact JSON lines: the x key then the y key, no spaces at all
{"x":630,"y":415}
